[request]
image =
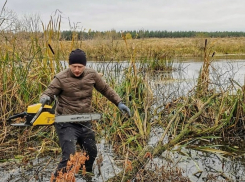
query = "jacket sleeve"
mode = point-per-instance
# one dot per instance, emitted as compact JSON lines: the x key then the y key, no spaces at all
{"x":106,"y":90}
{"x":54,"y":89}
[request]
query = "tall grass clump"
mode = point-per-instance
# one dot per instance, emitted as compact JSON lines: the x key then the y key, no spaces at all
{"x":197,"y":121}
{"x":27,"y":66}
{"x":123,"y":131}
{"x":162,"y":62}
{"x":206,"y":113}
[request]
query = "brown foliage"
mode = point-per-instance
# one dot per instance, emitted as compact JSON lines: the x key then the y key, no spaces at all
{"x":128,"y":166}
{"x":76,"y":162}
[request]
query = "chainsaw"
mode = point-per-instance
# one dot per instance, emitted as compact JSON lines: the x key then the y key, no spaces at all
{"x":42,"y":115}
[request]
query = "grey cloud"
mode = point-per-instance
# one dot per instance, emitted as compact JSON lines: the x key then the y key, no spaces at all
{"x":201,"y":15}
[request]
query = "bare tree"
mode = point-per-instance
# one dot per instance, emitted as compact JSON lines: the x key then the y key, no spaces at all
{"x":7,"y":18}
{"x":31,"y":23}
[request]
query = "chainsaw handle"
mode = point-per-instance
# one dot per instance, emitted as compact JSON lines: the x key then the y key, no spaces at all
{"x":20,"y":115}
{"x":43,"y":104}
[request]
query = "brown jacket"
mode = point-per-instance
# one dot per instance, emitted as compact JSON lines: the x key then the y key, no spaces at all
{"x":74,"y":94}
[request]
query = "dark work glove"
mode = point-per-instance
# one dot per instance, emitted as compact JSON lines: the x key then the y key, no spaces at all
{"x":45,"y":99}
{"x":124,"y":108}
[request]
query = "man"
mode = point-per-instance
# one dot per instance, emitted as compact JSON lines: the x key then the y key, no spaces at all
{"x":73,"y":88}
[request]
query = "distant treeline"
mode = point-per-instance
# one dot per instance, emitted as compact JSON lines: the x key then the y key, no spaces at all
{"x":67,"y":35}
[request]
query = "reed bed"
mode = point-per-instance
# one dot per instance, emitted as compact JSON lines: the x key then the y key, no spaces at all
{"x":205,"y":114}
{"x":100,"y":49}
{"x":28,"y":64}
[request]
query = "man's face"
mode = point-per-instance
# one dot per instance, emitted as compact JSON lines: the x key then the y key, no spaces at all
{"x":77,"y":69}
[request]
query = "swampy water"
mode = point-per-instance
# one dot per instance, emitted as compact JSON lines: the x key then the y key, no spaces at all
{"x":196,"y":165}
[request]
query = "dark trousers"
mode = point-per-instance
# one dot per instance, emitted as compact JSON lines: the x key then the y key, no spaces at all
{"x":69,"y":135}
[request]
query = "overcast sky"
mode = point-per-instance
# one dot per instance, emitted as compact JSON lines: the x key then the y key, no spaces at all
{"x":170,"y":15}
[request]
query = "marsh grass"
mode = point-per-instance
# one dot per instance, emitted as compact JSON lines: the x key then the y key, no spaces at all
{"x":27,"y":66}
{"x":119,"y":128}
{"x":222,"y":116}
{"x":204,"y":114}
{"x":148,"y":49}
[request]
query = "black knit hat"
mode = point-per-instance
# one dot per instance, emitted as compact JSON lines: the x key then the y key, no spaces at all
{"x":77,"y":56}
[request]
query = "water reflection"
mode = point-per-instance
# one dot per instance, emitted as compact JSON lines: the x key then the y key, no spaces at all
{"x":174,"y":84}
{"x":198,"y":166}
{"x":201,"y":166}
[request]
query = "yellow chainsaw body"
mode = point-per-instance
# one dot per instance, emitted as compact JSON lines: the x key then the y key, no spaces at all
{"x":43,"y":115}
{"x":46,"y":117}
